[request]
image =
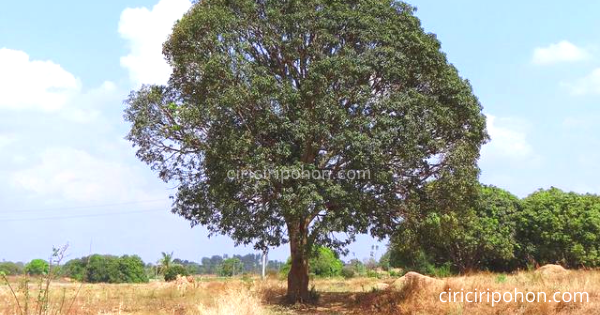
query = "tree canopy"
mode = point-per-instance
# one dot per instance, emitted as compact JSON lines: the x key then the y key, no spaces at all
{"x":561,"y":227}
{"x":477,"y":235}
{"x":231,"y":267}
{"x":302,"y":86}
{"x":499,"y":232}
{"x":106,"y":269}
{"x":37,"y":267}
{"x":171,"y":273}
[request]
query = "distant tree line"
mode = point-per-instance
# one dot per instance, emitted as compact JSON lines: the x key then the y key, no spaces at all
{"x":35,"y":267}
{"x":492,"y":230}
{"x":228,"y":265}
{"x":132,"y":269}
{"x":11,"y":268}
{"x":497,"y":231}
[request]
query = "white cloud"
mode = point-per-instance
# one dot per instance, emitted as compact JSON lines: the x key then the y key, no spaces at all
{"x":508,"y":140}
{"x":33,"y":84}
{"x":589,"y":84}
{"x":146,"y":30}
{"x":562,"y":51}
{"x":76,"y":175}
{"x":86,"y":106}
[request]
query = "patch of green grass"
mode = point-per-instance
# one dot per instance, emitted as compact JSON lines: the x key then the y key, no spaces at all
{"x":501,"y":278}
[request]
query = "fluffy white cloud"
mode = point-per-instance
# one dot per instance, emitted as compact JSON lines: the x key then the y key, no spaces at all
{"x":589,"y":84}
{"x":33,"y":84}
{"x":76,"y":175}
{"x":88,"y":105}
{"x":146,"y":30}
{"x":562,"y":51}
{"x":508,"y":140}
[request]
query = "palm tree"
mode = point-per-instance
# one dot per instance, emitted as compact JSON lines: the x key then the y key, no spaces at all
{"x":165,"y":261}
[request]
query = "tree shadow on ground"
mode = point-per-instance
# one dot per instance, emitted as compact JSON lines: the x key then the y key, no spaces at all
{"x":375,"y":302}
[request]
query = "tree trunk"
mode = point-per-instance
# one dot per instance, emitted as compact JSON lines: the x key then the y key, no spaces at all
{"x":298,"y":276}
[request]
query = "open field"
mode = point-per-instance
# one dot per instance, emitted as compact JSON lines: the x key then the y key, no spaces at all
{"x":336,"y":296}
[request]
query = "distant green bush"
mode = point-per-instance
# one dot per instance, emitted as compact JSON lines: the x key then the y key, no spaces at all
{"x":11,"y":269}
{"x":501,"y":278}
{"x":324,"y":263}
{"x":132,"y":269}
{"x":373,"y":274}
{"x":348,"y":272}
{"x":37,"y":267}
{"x":103,"y":269}
{"x":358,"y":266}
{"x":75,"y":269}
{"x":106,"y":269}
{"x":395,"y":273}
{"x":230,"y":267}
{"x":173,"y":271}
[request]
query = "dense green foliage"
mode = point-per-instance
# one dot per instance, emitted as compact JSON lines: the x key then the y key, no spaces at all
{"x":560,"y":227}
{"x":173,"y":271}
{"x":324,"y":263}
{"x":231,"y":267}
{"x":75,"y":269}
{"x":11,"y":268}
{"x":107,"y":269}
{"x":295,"y":86}
{"x":192,"y":268}
{"x":476,"y":235}
{"x":499,"y":232}
{"x":132,"y":269}
{"x":165,"y":262}
{"x":37,"y":267}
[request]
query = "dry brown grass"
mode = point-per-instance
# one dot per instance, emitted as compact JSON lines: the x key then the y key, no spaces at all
{"x":337,"y":296}
{"x":417,"y":298}
{"x":239,"y":301}
{"x":141,"y":299}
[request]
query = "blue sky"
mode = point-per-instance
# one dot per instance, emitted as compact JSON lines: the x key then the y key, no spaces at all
{"x":66,"y":66}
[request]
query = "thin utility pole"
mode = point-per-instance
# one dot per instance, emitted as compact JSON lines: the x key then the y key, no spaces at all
{"x":265,"y":261}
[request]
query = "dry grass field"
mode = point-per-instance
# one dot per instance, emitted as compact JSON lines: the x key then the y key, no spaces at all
{"x":336,"y":296}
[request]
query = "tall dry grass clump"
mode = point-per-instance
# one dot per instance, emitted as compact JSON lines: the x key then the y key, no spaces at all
{"x":29,"y":296}
{"x":234,"y":300}
{"x":422,"y":298}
